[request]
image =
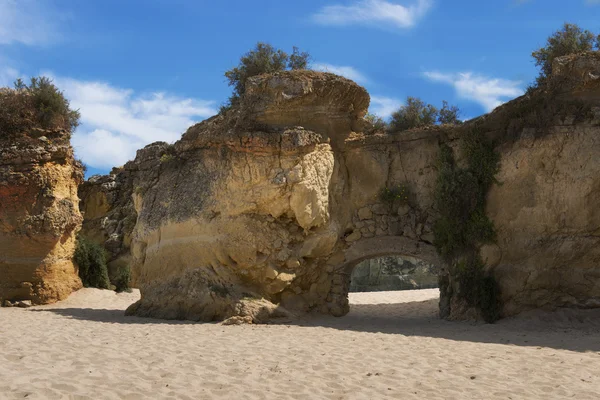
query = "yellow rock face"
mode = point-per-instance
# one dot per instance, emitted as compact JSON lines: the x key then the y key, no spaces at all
{"x":39,"y":218}
{"x":274,"y":202}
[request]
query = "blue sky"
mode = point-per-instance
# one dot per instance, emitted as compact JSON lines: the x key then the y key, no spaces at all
{"x":144,"y":70}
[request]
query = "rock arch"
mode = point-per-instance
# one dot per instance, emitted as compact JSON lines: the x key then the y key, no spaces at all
{"x":388,"y":245}
{"x":368,"y":248}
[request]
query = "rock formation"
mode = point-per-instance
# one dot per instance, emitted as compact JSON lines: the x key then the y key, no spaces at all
{"x":546,"y":208}
{"x":273,"y":203}
{"x":39,"y":216}
{"x":107,"y":204}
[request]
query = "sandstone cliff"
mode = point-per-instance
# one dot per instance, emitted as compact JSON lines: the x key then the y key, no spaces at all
{"x":275,"y":202}
{"x":109,"y":217}
{"x":261,"y":205}
{"x":545,"y":208}
{"x":39,"y":216}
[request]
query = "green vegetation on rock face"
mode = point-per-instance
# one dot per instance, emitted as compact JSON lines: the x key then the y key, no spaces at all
{"x":263,"y":59}
{"x":395,"y":196}
{"x":37,"y":105}
{"x":91,"y":260}
{"x":122,"y":283}
{"x":570,"y":39}
{"x":463,"y":227}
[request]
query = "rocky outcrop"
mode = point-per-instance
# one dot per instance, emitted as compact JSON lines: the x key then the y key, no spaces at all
{"x":109,"y":217}
{"x":39,"y":216}
{"x":272,"y":204}
{"x":261,"y":205}
{"x":544,"y":207}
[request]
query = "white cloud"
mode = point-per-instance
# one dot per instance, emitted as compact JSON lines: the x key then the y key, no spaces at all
{"x":489,"y":92}
{"x":29,"y":22}
{"x":8,"y":76}
{"x":384,"y":106}
{"x":345,"y":71}
{"x":116,"y":122}
{"x":374,"y":12}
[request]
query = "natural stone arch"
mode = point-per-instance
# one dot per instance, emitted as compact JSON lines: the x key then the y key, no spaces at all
{"x":386,"y":246}
{"x":372,"y":248}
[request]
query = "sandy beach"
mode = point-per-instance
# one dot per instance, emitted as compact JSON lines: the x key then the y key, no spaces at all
{"x":391,"y":345}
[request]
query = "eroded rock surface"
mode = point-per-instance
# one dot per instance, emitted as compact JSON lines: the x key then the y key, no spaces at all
{"x":272,"y":204}
{"x":545,"y":207}
{"x":261,"y":205}
{"x":109,"y":216}
{"x":39,"y":216}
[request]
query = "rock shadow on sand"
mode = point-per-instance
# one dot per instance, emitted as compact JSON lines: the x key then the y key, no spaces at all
{"x":568,"y":329}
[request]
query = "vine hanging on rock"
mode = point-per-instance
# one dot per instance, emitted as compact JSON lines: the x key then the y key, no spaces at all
{"x":463,"y":226}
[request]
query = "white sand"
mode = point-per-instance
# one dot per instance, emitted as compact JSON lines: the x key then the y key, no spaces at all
{"x":391,"y":345}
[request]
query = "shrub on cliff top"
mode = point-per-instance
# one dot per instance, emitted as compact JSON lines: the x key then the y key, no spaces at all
{"x":416,"y":113}
{"x":39,"y":104}
{"x":570,"y":39}
{"x":449,"y":114}
{"x":376,"y":123}
{"x":263,"y":59}
{"x":91,"y":259}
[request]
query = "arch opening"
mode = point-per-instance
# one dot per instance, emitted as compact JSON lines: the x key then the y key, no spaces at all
{"x":393,"y":273}
{"x":383,"y":264}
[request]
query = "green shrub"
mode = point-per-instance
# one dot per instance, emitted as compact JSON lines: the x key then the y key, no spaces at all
{"x":416,"y":113}
{"x":462,"y":226}
{"x":377,"y":123}
{"x":263,"y":59}
{"x":570,"y":39}
{"x":478,"y":289}
{"x":91,"y":260}
{"x":166,"y":158}
{"x":39,"y":104}
{"x":395,"y":196}
{"x":298,"y":59}
{"x":122,"y":283}
{"x":449,"y":114}
{"x":460,"y":195}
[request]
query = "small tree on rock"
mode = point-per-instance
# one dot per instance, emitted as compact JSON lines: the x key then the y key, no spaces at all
{"x":263,"y":59}
{"x":39,"y":104}
{"x":377,"y":123}
{"x":298,"y":59}
{"x":569,"y":40}
{"x":448,"y":114}
{"x":414,"y":114}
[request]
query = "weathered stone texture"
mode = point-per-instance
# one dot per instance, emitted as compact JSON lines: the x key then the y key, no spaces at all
{"x":39,"y":216}
{"x":275,"y":202}
{"x":260,"y":203}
